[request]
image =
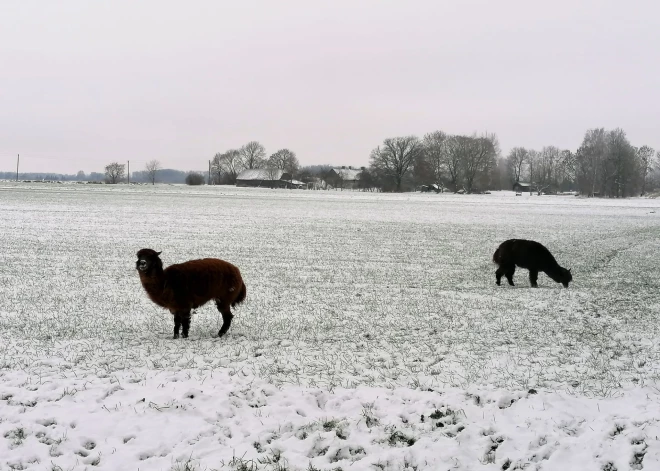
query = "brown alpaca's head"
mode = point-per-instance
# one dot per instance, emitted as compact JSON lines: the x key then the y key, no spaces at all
{"x":147,"y":260}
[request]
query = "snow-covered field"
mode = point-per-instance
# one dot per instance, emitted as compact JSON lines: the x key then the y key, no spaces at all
{"x":373,"y":336}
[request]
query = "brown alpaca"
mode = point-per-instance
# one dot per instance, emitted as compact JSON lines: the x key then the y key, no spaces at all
{"x":186,"y":286}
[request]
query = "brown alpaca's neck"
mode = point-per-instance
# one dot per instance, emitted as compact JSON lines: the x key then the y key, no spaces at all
{"x":153,"y":283}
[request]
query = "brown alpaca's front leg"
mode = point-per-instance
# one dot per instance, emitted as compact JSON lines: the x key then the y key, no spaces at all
{"x":226,"y":323}
{"x":177,"y":324}
{"x":227,"y":316}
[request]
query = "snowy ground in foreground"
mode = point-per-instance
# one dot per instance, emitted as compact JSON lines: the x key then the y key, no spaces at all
{"x":365,"y":312}
{"x":170,"y":420}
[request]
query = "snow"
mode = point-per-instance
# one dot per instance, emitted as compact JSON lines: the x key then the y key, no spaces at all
{"x":154,"y":420}
{"x":373,"y":336}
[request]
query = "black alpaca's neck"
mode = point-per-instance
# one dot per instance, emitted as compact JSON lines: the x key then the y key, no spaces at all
{"x":554,"y":272}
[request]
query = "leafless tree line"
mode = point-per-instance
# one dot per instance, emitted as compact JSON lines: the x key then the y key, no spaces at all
{"x":226,"y":166}
{"x":456,"y":162}
{"x":605,"y":164}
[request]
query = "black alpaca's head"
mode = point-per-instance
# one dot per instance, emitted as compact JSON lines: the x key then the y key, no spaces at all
{"x":148,"y":259}
{"x":565,"y":277}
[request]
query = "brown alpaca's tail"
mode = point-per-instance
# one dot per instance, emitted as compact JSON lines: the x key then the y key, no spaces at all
{"x":241,"y":295}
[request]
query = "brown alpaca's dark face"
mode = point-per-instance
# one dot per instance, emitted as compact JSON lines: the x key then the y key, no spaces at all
{"x":566,"y":277}
{"x":147,"y":258}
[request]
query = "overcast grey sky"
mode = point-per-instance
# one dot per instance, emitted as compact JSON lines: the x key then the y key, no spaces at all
{"x":83,"y":83}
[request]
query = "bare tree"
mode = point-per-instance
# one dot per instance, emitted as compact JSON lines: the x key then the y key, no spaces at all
{"x":456,"y":149}
{"x":590,"y":159}
{"x":621,"y":165}
{"x":227,"y":166}
{"x":533,"y":158}
{"x":547,"y":162}
{"x":285,"y":160}
{"x":396,"y":157}
{"x":152,"y":168}
{"x":565,"y":167}
{"x":515,"y":162}
{"x":115,"y":172}
{"x":645,"y":155}
{"x":435,"y":154}
{"x":253,"y":155}
{"x":479,"y":159}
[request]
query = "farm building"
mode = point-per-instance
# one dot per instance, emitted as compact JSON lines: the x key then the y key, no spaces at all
{"x":428,"y":188}
{"x":344,"y":177}
{"x":268,"y":178}
{"x":522,"y":187}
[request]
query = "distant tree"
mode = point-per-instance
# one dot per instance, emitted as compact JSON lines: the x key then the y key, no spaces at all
{"x":590,"y":162}
{"x":194,"y":178}
{"x":479,"y":159}
{"x":367,"y":180}
{"x":395,"y":158}
{"x":547,"y":162}
{"x":285,"y":160}
{"x":435,"y":154}
{"x":621,"y":165}
{"x":516,"y":160}
{"x":565,"y":173}
{"x":456,"y":149}
{"x":114,"y":173}
{"x":253,"y":155}
{"x":80,"y":176}
{"x":645,"y":155}
{"x":225,"y":167}
{"x":152,"y":168}
{"x":423,"y":173}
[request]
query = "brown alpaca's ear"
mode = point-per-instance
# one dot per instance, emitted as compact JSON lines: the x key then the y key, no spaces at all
{"x":158,"y":253}
{"x":569,"y":270}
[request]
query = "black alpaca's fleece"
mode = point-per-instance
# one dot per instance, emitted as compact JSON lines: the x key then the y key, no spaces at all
{"x":531,"y":255}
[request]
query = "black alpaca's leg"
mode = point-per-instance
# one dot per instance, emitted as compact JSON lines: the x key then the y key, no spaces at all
{"x":533,"y":277}
{"x":177,"y":324}
{"x":227,"y":316}
{"x":509,"y":274}
{"x":498,"y":275}
{"x":185,"y":324}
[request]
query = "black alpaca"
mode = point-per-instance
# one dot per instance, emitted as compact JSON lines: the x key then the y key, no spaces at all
{"x":532,"y":256}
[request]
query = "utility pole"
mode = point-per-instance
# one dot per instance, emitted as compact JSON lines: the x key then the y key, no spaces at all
{"x":129,"y":172}
{"x":18,"y":160}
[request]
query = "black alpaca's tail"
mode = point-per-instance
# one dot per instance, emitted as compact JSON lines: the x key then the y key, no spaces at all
{"x":241,"y":295}
{"x":497,"y":256}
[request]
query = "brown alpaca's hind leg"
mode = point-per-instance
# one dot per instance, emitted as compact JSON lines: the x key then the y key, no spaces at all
{"x":185,"y":324}
{"x":227,"y":316}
